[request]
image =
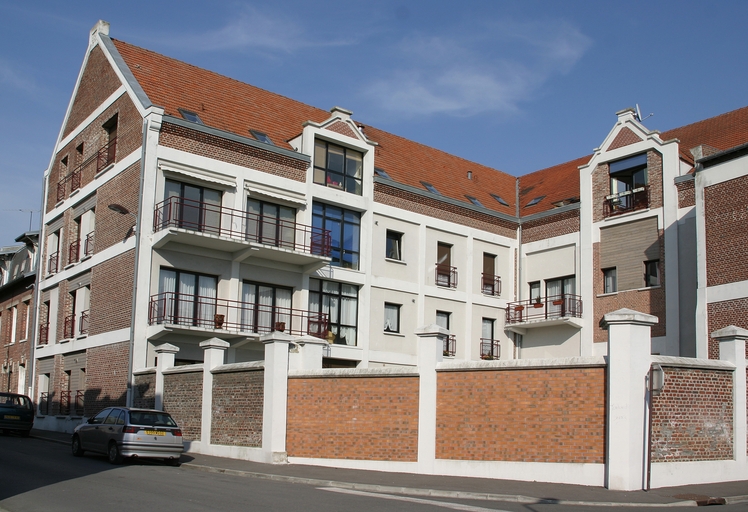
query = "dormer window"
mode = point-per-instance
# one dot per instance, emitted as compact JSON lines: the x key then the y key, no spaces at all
{"x":190,"y":116}
{"x":262,"y":137}
{"x":338,"y":167}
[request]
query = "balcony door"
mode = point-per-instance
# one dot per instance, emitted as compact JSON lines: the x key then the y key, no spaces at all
{"x":193,"y":207}
{"x":559,"y":292}
{"x":187,"y":298}
{"x":271,"y":224}
{"x":265,"y":308}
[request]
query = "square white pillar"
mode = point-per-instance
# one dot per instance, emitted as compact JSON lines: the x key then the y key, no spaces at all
{"x":430,"y":354}
{"x":166,"y":354}
{"x":732,"y":348}
{"x":275,"y":400}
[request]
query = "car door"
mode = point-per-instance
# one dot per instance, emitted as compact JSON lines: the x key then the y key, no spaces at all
{"x":106,"y":431}
{"x":88,"y":432}
{"x":113,"y":426}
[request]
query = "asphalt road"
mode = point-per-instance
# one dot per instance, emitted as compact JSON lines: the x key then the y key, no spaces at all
{"x":36,"y":475}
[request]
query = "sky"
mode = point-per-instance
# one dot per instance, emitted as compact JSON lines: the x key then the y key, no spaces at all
{"x":515,"y":85}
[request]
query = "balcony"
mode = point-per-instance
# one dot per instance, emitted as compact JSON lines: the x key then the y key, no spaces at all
{"x":242,"y":233}
{"x":70,"y":323}
{"x":52,"y":263}
{"x":554,"y":310}
{"x":43,"y":334}
{"x":490,"y":285}
{"x":102,"y":158}
{"x":74,"y":251}
{"x":450,"y":345}
{"x":446,"y":276}
{"x":83,"y":324}
{"x":627,"y":201}
{"x":490,"y":349}
{"x":88,"y":246}
{"x":243,"y":318}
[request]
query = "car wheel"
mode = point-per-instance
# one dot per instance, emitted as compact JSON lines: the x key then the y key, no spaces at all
{"x":76,"y":446}
{"x":173,"y":462}
{"x":114,"y":455}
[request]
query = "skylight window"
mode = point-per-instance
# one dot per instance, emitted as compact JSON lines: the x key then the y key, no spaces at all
{"x":499,"y":199}
{"x":430,"y":188}
{"x":190,"y":116}
{"x":262,"y":137}
{"x":534,"y":201}
{"x":381,"y":173}
{"x":474,"y":201}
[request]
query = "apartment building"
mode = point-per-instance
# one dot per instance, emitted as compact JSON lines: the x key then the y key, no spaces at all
{"x":181,"y":205}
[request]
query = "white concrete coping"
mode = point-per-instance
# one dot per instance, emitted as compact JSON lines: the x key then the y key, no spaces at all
{"x":521,"y":364}
{"x":627,"y":316}
{"x":353,"y":373}
{"x":247,"y":366}
{"x":166,"y":348}
{"x":278,"y":336}
{"x":144,"y":371}
{"x":690,"y":362}
{"x":431,"y":330}
{"x":188,"y":368}
{"x":730,"y":332}
{"x":214,"y":343}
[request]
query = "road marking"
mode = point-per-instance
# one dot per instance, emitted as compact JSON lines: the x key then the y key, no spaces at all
{"x":443,"y":504}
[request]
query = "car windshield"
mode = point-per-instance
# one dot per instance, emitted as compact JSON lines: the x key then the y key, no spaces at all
{"x":15,"y":401}
{"x":151,"y":419}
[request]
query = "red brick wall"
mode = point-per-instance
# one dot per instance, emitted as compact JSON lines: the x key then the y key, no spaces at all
{"x":722,"y":314}
{"x":686,"y":194}
{"x":366,"y":418}
{"x":548,"y":227}
{"x":725,"y":219}
{"x":342,"y":128}
{"x":692,"y":416}
{"x":111,"y":294}
{"x":225,"y":150}
{"x":534,"y":415}
{"x":238,"y":399}
{"x":625,"y":137}
{"x":144,"y":393}
{"x":113,"y":227}
{"x":15,"y":351}
{"x":409,"y":201}
{"x":183,"y":398}
{"x":106,"y":376}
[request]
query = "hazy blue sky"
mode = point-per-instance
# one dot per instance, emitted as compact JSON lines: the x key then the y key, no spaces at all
{"x":516,"y":85}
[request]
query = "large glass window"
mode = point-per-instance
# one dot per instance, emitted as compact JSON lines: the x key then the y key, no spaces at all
{"x":391,"y":317}
{"x":194,"y":208}
{"x":271,"y":224}
{"x":338,"y":167}
{"x":345,"y":233}
{"x":339,"y":302}
{"x":187,"y":298}
{"x":265,"y":308}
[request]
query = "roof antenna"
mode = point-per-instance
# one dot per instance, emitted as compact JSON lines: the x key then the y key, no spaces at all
{"x":639,"y":114}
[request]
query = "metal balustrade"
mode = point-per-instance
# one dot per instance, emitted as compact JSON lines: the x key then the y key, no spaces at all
{"x":52,"y":263}
{"x":490,"y":349}
{"x":554,"y":306}
{"x":490,"y":284}
{"x":446,"y":276}
{"x":627,"y":201}
{"x":43,"y":334}
{"x":450,"y":345}
{"x":102,"y":158}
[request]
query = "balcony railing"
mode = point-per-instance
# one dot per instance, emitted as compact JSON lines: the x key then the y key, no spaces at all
{"x":65,"y":403}
{"x":446,"y":276}
{"x":212,"y":313}
{"x":102,"y":158}
{"x":490,"y":349}
{"x":450,"y":345}
{"x":43,"y":334}
{"x":44,"y":399}
{"x":628,"y":201}
{"x":555,"y":306}
{"x":52,"y":262}
{"x":197,"y":216}
{"x":68,"y":330}
{"x":88,"y":246}
{"x":78,"y":405}
{"x":490,"y":284}
{"x":83,"y":325}
{"x":74,"y":251}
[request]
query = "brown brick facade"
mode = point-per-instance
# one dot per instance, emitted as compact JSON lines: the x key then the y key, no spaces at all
{"x":183,"y":397}
{"x":144,"y":392}
{"x":111,"y":227}
{"x":111,"y":294}
{"x":366,"y":418}
{"x":238,"y":399}
{"x":342,"y":128}
{"x":550,"y":226}
{"x":686,"y":194}
{"x":16,"y":350}
{"x":106,"y":376}
{"x":625,"y":137}
{"x":692,"y":416}
{"x":723,"y":314}
{"x":726,"y":236}
{"x":534,"y":415}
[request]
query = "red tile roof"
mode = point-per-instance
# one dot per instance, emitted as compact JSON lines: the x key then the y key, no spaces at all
{"x":724,"y":131}
{"x":557,"y":183}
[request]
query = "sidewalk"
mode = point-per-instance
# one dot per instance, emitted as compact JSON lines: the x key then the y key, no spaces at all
{"x":456,"y":487}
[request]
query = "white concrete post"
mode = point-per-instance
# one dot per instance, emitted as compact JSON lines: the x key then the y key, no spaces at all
{"x":629,"y":360}
{"x":306,"y":353}
{"x":430,"y":354}
{"x":213,"y":352}
{"x":277,"y":346}
{"x":732,"y":348}
{"x":165,"y":359}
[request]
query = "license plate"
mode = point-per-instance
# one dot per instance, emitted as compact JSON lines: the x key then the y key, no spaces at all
{"x":11,"y":417}
{"x":155,"y":433}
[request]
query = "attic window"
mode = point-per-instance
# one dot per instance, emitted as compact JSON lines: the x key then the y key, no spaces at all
{"x":564,"y":202}
{"x":262,"y":137}
{"x":190,"y":116}
{"x":381,"y":173}
{"x":535,"y":201}
{"x":499,"y":199}
{"x":474,"y":201}
{"x":430,"y":188}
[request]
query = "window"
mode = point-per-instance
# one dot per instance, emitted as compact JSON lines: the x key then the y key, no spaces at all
{"x":489,"y":347}
{"x":381,"y":173}
{"x":430,"y":188}
{"x":271,"y":224}
{"x":394,"y":245}
{"x":391,"y":317}
{"x":87,"y":226}
{"x":500,"y":200}
{"x":535,"y":201}
{"x":628,"y":181}
{"x":560,"y":297}
{"x":445,"y":274}
{"x":77,"y":322}
{"x":338,"y":167}
{"x":187,"y":298}
{"x":265,"y":308}
{"x":109,"y":150}
{"x":535,"y":291}
{"x":190,"y":116}
{"x":13,"y":324}
{"x":610,"y":283}
{"x":53,"y":250}
{"x":262,"y":137}
{"x":193,"y":207}
{"x":652,"y":273}
{"x":442,"y":319}
{"x":339,"y":302}
{"x":474,"y":201}
{"x":345,"y":232}
{"x":490,"y":283}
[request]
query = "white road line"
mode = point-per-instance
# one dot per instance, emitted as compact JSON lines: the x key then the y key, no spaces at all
{"x":443,"y":504}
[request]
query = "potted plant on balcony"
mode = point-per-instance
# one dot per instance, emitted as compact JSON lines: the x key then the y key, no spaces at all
{"x":486,"y":357}
{"x":537,"y":303}
{"x":218,"y":320}
{"x":280,"y":326}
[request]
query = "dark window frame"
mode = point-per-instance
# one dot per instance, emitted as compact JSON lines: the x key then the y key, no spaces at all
{"x":397,"y":307}
{"x":344,"y":180}
{"x":322,"y":220}
{"x":391,"y":237}
{"x":334,"y":324}
{"x":652,"y":280}
{"x":610,"y":272}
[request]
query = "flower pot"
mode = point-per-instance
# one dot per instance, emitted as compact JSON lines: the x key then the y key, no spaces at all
{"x":218,"y":321}
{"x":538,"y":305}
{"x":280,"y":326}
{"x":558,"y":302}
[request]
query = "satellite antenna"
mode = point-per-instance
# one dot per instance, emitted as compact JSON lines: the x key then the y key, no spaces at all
{"x":639,"y":114}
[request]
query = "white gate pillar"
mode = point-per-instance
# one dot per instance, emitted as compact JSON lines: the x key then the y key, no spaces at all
{"x":732,"y":348}
{"x":166,"y":354}
{"x":430,"y":354}
{"x":275,"y":400}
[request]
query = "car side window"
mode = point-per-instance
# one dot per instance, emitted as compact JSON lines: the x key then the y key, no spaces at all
{"x":121,"y":418}
{"x":112,"y":418}
{"x":99,"y":418}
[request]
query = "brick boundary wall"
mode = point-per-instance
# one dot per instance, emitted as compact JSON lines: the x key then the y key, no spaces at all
{"x":363,"y":418}
{"x":106,"y":376}
{"x":183,"y":399}
{"x":238,"y":399}
{"x":726,"y":236}
{"x":144,"y":392}
{"x":692,"y":418}
{"x":686,"y":193}
{"x":550,"y":226}
{"x":725,"y":313}
{"x":522,"y":415}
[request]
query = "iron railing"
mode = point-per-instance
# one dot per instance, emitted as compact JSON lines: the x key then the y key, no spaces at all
{"x":450,"y":345}
{"x":65,"y":403}
{"x":68,"y":330}
{"x":88,"y":246}
{"x":78,"y":405}
{"x":554,"y":306}
{"x":212,"y":313}
{"x":103,"y":157}
{"x":490,"y":284}
{"x":627,"y":201}
{"x":44,"y":399}
{"x":490,"y":349}
{"x":74,"y":251}
{"x":83,"y":325}
{"x":446,"y":276}
{"x":44,"y":334}
{"x":216,"y":220}
{"x":52,"y":262}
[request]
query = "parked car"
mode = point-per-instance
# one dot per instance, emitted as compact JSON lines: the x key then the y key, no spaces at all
{"x":16,"y":413}
{"x":119,"y":432}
